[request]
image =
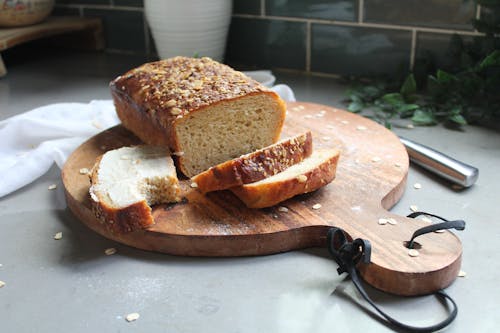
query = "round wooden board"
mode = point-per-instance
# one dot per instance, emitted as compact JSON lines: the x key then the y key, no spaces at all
{"x":371,"y":177}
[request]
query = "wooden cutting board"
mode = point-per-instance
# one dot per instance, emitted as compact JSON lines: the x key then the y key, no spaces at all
{"x":371,"y":177}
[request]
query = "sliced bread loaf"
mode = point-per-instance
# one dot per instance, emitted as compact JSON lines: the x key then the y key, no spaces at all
{"x":125,"y":182}
{"x":307,"y":176}
{"x":204,"y":111}
{"x":255,"y":166}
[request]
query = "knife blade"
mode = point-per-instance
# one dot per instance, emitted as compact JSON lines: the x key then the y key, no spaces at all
{"x":443,"y":165}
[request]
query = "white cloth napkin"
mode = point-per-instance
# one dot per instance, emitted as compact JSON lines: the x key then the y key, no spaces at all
{"x":31,"y":142}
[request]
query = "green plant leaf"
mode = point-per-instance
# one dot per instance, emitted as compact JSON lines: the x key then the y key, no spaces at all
{"x":355,"y":106}
{"x":409,"y":87}
{"x":394,"y":99}
{"x":493,"y":59}
{"x":421,"y":117}
{"x":458,"y":118}
{"x":445,"y":77}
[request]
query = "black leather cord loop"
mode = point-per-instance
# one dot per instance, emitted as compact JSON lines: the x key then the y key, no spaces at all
{"x":349,"y":254}
{"x":457,"y":224}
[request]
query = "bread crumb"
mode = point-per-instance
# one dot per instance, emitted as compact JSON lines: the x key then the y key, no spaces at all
{"x":462,"y":274}
{"x":170,"y":103}
{"x":361,"y":128}
{"x":110,"y":251}
{"x":316,"y":206}
{"x":132,"y":317}
{"x":376,"y":159}
{"x":382,"y":221}
{"x":301,"y":107}
{"x":58,"y":235}
{"x":194,"y":185}
{"x":52,"y":187}
{"x":84,"y":171}
{"x":413,"y":253}
{"x":302,"y":178}
{"x":410,"y":126}
{"x":282,"y":209}
{"x":417,"y":186}
{"x":96,"y":124}
{"x":2,"y":284}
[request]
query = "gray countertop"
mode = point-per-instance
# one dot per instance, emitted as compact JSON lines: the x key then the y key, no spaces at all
{"x":71,"y":286}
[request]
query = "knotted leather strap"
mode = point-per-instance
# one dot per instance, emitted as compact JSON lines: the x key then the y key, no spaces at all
{"x":349,"y":254}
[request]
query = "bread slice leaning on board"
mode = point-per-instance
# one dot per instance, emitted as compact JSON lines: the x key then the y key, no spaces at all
{"x":256,"y":165}
{"x":309,"y":175}
{"x":204,"y":111}
{"x":125,"y":183}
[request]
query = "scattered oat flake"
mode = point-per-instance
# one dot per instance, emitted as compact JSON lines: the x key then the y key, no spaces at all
{"x":110,"y":251}
{"x":361,"y":128}
{"x":397,"y":165}
{"x":132,"y":317}
{"x":392,"y":221}
{"x":84,"y":171}
{"x":382,"y":221}
{"x":316,"y":206}
{"x":58,"y":235}
{"x":194,"y":185}
{"x":413,"y":253}
{"x":326,"y":138}
{"x":301,"y":107}
{"x":462,"y":274}
{"x":344,"y":122}
{"x":414,"y":208}
{"x":52,"y":187}
{"x":376,"y":159}
{"x":417,"y":186}
{"x":282,"y":209}
{"x":2,"y":284}
{"x":426,"y":219}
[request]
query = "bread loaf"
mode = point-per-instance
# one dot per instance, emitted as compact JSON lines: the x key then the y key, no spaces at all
{"x":309,"y":175}
{"x":204,"y":111}
{"x":255,"y":166}
{"x":125,"y":182}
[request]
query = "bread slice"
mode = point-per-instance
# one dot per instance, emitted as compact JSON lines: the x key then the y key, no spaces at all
{"x":255,"y":166}
{"x":205,"y":112}
{"x":309,"y":175}
{"x":125,"y":182}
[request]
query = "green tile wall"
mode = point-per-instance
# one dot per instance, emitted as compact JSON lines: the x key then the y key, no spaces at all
{"x":426,"y":13}
{"x":123,"y":29}
{"x":341,"y":37}
{"x":345,"y":10}
{"x":359,"y":50}
{"x":267,"y":43}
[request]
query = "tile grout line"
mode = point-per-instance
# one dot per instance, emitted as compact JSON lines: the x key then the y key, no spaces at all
{"x":361,"y":11}
{"x":363,"y":24}
{"x":413,"y":48}
{"x":308,"y":47}
{"x":478,"y":12}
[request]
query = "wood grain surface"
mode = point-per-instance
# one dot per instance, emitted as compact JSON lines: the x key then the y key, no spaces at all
{"x":371,"y":177}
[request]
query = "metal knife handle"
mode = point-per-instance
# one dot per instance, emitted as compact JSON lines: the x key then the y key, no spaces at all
{"x":441,"y":164}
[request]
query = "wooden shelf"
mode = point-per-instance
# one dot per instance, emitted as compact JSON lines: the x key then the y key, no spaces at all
{"x":91,"y":29}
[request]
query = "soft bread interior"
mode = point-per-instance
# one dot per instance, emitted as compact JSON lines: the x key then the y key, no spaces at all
{"x":227,"y":130}
{"x":133,"y":174}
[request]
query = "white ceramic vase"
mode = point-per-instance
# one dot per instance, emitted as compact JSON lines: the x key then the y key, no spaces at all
{"x":189,"y":27}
